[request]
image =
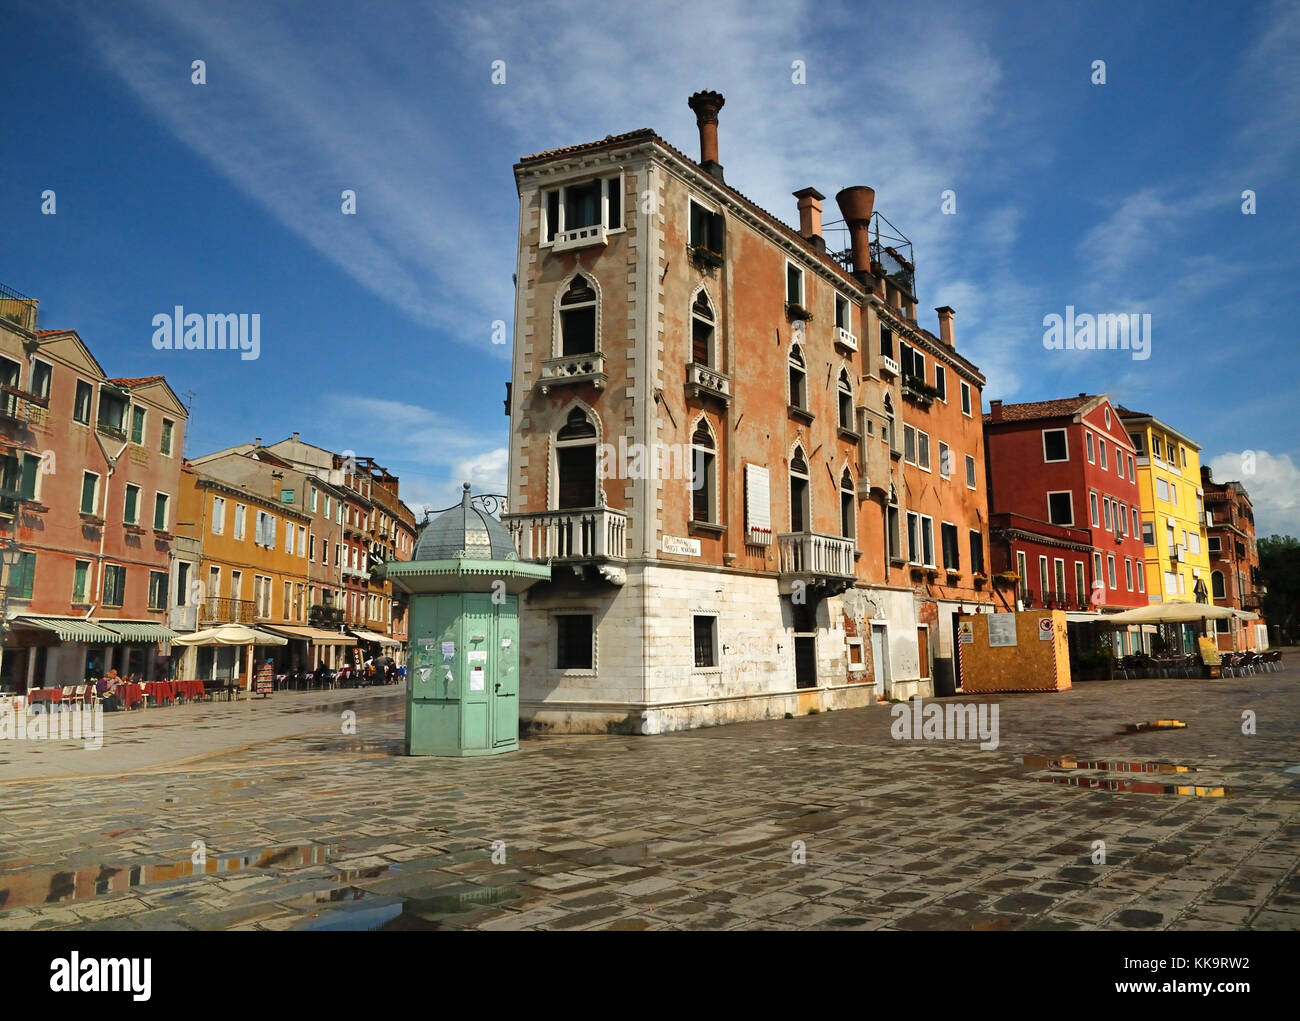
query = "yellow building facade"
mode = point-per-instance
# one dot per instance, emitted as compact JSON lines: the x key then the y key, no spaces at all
{"x":253,"y":563}
{"x":1173,"y":510}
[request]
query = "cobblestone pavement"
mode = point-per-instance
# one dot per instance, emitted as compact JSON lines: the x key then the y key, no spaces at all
{"x":823,"y":821}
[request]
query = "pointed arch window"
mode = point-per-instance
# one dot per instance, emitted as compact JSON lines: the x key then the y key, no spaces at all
{"x":891,"y":425}
{"x":704,"y":477}
{"x":798,"y":378}
{"x":575,"y":462}
{"x":845,"y":394}
{"x":848,"y":519}
{"x":895,"y":527}
{"x":800,"y":509}
{"x":578,"y":318}
{"x":703,"y":333}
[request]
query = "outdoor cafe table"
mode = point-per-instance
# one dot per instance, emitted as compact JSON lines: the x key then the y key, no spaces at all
{"x":130,"y":694}
{"x":160,"y":691}
{"x":191,"y":690}
{"x":44,"y":695}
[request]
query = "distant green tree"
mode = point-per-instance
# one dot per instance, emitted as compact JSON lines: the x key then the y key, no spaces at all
{"x":1279,"y":566}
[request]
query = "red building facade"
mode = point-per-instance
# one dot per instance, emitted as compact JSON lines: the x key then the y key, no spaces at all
{"x":89,"y":477}
{"x":1064,"y":505}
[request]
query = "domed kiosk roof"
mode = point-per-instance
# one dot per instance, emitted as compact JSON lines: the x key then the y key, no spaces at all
{"x":466,"y":532}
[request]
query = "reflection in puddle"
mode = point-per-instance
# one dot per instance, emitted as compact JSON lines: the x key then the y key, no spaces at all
{"x":411,"y":914}
{"x":1138,"y":786}
{"x":1042,"y":762}
{"x":51,"y":886}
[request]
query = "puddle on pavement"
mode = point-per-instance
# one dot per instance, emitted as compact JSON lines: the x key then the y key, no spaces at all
{"x":1107,"y":765}
{"x":1138,"y":786}
{"x":408,"y":913}
{"x":51,"y":886}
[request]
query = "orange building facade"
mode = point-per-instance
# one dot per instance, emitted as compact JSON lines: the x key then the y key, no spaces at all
{"x":759,"y":481}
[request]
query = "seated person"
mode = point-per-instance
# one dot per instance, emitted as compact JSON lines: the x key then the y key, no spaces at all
{"x":107,"y":687}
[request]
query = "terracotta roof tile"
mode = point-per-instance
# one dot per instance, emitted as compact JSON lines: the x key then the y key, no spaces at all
{"x":640,"y":133}
{"x":135,"y":380}
{"x":1041,"y":409}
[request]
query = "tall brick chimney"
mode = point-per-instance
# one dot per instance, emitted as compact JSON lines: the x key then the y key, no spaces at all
{"x":706,"y":106}
{"x":856,"y":204}
{"x":995,"y":411}
{"x":945,"y":325}
{"x":810,"y":216}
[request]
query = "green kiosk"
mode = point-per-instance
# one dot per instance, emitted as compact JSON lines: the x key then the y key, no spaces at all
{"x":464,"y":581}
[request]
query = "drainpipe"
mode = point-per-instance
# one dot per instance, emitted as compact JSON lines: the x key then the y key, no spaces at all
{"x":97,"y":587}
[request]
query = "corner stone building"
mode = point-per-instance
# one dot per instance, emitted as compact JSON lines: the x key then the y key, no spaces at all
{"x":838,"y":522}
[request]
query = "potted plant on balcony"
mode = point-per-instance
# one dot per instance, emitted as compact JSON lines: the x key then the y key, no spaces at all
{"x":1006,"y":579}
{"x":705,"y":256}
{"x":953,"y":574}
{"x":793,"y":310}
{"x":979,"y":578}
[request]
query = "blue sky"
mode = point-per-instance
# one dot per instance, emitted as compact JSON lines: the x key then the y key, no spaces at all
{"x":376,"y":328}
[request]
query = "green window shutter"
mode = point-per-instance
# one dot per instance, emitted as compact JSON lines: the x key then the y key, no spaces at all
{"x":88,"y":494}
{"x":132,"y":504}
{"x":25,"y":576}
{"x":79,"y":581}
{"x":137,"y":425}
{"x":160,"y":512}
{"x":28,"y":485}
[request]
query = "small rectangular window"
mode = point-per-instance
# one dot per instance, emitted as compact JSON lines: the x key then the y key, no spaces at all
{"x":945,"y":460}
{"x":965,"y":399}
{"x":1060,"y":508}
{"x":1092,"y":456}
{"x":976,"y":552}
{"x":793,"y":284}
{"x":970,"y":472}
{"x":131,"y":508}
{"x":573,"y":645}
{"x":951,"y":547}
{"x":81,"y":406}
{"x":166,"y":445}
{"x":1103,"y":453}
{"x":81,"y":581}
{"x":160,"y":512}
{"x":23,"y":576}
{"x":157,"y":590}
{"x":114,"y":585}
{"x":614,"y":202}
{"x":41,"y":372}
{"x":706,"y":628}
{"x":89,"y":493}
{"x":137,"y":425}
{"x":941,"y":382}
{"x":1055,"y":447}
{"x":923,"y":449}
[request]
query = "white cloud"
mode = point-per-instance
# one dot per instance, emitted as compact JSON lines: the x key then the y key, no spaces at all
{"x":1273,"y":482}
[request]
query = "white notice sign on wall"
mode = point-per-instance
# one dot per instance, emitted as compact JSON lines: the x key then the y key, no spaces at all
{"x":1002,"y":629}
{"x":676,"y":544}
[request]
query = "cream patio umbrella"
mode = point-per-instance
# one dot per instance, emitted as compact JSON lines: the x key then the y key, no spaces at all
{"x":233,"y":634}
{"x":1179,"y":612}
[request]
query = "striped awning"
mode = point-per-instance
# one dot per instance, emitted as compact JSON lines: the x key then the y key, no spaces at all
{"x":371,"y":636}
{"x":314,"y":635}
{"x":69,"y":629}
{"x":138,"y":630}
